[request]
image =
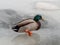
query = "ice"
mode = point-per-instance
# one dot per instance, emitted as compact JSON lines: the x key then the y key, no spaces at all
{"x":47,"y":35}
{"x":24,"y":39}
{"x":5,"y":41}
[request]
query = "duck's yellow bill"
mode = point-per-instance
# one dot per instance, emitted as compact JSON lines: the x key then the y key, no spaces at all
{"x":42,"y":19}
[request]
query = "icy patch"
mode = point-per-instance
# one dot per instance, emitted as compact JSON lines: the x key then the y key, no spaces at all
{"x":6,"y":41}
{"x":23,"y":39}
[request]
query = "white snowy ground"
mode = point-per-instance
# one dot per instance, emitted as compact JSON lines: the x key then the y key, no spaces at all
{"x":49,"y":34}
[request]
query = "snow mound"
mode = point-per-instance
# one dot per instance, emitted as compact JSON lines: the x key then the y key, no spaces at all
{"x":46,"y":6}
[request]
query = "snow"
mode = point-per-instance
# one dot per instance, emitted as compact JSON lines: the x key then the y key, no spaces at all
{"x":46,"y":6}
{"x":5,"y":41}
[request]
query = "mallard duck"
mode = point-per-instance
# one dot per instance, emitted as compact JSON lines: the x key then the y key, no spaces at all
{"x":28,"y":25}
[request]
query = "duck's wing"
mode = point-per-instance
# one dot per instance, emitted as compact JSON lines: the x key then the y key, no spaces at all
{"x":25,"y":22}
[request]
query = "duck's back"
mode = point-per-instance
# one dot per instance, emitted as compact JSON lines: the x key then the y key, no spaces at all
{"x":26,"y":21}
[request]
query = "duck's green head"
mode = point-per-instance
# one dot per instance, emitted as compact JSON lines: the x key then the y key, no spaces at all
{"x":37,"y":18}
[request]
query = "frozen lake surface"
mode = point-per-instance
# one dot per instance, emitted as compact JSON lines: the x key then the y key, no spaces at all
{"x":49,"y":34}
